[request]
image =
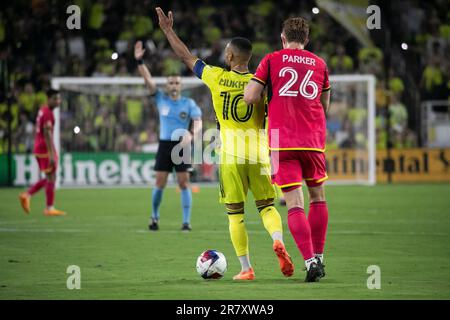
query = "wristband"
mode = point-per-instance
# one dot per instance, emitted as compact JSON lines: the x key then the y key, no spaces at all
{"x":140,"y":61}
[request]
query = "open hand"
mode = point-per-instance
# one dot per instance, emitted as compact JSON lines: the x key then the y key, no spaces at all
{"x":165,"y":22}
{"x":138,"y":50}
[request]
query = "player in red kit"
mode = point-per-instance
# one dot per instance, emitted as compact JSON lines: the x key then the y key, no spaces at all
{"x":299,"y":97}
{"x":46,"y":156}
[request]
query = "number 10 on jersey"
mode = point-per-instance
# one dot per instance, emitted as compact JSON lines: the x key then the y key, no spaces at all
{"x":234,"y":107}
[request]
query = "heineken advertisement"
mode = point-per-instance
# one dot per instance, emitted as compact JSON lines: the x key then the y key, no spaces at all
{"x":125,"y":169}
{"x":85,"y":169}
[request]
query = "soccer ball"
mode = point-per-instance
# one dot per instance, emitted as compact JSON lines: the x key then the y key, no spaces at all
{"x":211,"y":264}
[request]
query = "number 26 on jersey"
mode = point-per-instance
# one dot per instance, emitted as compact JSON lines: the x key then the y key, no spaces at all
{"x":286,"y":90}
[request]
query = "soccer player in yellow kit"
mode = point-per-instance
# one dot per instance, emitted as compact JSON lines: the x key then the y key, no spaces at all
{"x":244,"y":152}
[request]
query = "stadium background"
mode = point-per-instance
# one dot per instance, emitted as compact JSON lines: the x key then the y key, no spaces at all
{"x":35,"y":46}
{"x":394,"y":226}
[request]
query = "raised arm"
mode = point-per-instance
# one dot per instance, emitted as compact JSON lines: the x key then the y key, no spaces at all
{"x":180,"y":49}
{"x":143,"y":70}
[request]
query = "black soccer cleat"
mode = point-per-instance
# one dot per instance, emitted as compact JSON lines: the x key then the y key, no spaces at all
{"x":154,"y":225}
{"x":314,"y":273}
{"x":321,"y":267}
{"x":186,"y":227}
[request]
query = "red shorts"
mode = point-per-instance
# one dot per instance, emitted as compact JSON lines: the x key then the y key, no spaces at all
{"x":44,"y":164}
{"x":289,"y":168}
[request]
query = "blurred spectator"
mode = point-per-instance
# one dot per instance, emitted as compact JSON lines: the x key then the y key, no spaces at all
{"x":341,"y":62}
{"x":432,"y":83}
{"x":398,"y":115}
{"x":96,"y":16}
{"x":105,"y":124}
{"x":134,"y":111}
{"x":371,"y":61}
{"x":27,"y":99}
{"x":24,"y":133}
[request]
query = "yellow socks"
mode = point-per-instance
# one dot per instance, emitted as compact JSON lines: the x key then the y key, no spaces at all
{"x":272,"y":222}
{"x":238,"y":234}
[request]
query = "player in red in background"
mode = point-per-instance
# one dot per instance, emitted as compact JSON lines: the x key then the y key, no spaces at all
{"x":46,"y":156}
{"x":299,"y":97}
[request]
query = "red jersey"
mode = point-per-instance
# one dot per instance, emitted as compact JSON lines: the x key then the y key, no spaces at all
{"x":295,"y":79}
{"x":44,"y":117}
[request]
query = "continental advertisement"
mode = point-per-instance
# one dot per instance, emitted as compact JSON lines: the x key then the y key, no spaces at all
{"x":404,"y":165}
{"x":125,"y":169}
{"x":414,"y":165}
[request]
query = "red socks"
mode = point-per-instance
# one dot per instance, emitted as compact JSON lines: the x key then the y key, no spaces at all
{"x":301,"y":232}
{"x":318,"y":222}
{"x":37,"y":186}
{"x":49,"y":190}
{"x":50,"y":193}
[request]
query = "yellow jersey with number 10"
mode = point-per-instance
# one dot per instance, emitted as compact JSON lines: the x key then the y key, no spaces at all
{"x":242,"y":126}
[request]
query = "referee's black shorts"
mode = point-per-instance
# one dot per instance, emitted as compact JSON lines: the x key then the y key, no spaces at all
{"x":164,"y":160}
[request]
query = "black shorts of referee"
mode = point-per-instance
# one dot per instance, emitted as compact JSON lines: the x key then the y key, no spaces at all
{"x":164,"y":159}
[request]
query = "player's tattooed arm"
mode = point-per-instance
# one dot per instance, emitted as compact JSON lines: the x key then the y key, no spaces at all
{"x":48,"y":136}
{"x":143,"y":70}
{"x":180,"y":49}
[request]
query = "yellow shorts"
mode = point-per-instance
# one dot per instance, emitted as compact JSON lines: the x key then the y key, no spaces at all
{"x":235,"y":179}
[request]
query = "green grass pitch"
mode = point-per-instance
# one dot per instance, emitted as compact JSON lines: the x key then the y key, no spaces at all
{"x":403,"y":229}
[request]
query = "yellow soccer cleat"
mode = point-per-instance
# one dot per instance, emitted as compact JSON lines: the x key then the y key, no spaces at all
{"x":285,"y":261}
{"x":245,"y":275}
{"x":54,"y":212}
{"x":25,"y":201}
